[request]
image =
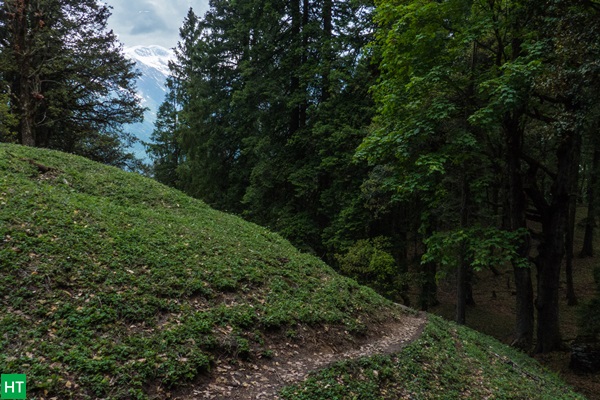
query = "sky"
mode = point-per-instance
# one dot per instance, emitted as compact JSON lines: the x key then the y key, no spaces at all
{"x":151,"y":22}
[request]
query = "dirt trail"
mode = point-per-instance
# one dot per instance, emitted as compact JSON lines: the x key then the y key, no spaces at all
{"x":292,"y":363}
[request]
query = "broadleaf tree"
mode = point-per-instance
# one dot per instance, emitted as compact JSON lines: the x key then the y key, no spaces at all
{"x":511,"y":77}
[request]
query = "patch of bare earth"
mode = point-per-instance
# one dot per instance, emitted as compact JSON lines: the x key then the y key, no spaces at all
{"x":294,"y":359}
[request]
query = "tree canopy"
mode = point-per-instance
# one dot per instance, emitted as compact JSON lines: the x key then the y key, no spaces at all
{"x":68,"y":83}
{"x":401,"y":141}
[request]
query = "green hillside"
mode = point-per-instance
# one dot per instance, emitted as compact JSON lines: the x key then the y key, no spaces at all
{"x":114,"y":286}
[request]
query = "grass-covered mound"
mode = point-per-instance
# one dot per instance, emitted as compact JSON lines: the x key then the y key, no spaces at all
{"x":111,"y":282}
{"x":446,"y":362}
{"x":113,"y":286}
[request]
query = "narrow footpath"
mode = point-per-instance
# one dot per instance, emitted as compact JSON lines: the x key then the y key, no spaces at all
{"x":292,"y":363}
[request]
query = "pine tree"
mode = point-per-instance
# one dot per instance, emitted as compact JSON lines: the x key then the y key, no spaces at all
{"x":276,"y":102}
{"x":165,"y":146}
{"x":71,"y":86}
{"x":210,"y":136}
{"x":308,"y":177}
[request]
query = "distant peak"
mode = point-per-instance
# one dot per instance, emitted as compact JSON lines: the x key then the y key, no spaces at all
{"x":153,"y":56}
{"x":149,"y":51}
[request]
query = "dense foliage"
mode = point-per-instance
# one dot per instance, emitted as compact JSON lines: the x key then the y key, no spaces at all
{"x":472,"y":120}
{"x":485,"y":106}
{"x":66,"y":81}
{"x":268,"y":102}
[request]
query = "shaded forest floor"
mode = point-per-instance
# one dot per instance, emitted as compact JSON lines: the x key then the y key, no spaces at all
{"x":494,"y":311}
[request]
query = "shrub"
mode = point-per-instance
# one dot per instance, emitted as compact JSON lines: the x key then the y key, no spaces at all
{"x":371,"y":263}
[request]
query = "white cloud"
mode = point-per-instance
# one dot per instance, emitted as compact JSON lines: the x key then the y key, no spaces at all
{"x":151,"y":22}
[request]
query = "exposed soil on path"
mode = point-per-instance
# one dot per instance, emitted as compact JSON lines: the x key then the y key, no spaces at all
{"x":294,"y":360}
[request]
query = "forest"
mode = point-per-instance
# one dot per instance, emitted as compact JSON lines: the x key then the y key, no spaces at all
{"x":401,"y":141}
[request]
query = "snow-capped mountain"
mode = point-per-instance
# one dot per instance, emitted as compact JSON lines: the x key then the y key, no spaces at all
{"x":152,"y":62}
{"x":154,"y":57}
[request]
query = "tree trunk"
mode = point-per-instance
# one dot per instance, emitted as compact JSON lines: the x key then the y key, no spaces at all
{"x":27,"y":119}
{"x":469,"y":293}
{"x":461,"y":292}
{"x":570,"y":228}
{"x":399,"y":237}
{"x":462,"y":271}
{"x":587,"y":249}
{"x":515,"y":219}
{"x":23,"y":77}
{"x":296,"y":41}
{"x":552,"y":248}
{"x":551,"y":252}
{"x":303,"y":113}
{"x":326,"y":49}
{"x":524,"y":308}
{"x":428,"y":297}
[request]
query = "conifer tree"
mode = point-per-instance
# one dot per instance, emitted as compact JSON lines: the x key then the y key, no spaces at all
{"x":165,"y":145}
{"x":164,"y":148}
{"x":71,"y":88}
{"x":276,"y":101}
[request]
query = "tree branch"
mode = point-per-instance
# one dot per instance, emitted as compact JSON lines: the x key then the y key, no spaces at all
{"x":533,"y":163}
{"x":530,"y":187}
{"x":537,"y":115}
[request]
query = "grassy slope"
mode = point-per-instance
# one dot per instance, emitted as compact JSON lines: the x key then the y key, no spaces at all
{"x":112,"y":284}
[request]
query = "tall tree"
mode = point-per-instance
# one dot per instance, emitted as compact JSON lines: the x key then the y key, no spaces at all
{"x":278,"y":100}
{"x":211,"y":138}
{"x":427,"y":91}
{"x":587,"y":248}
{"x":165,"y":148}
{"x":531,"y":90}
{"x":565,"y":108}
{"x":334,"y":108}
{"x":71,"y":88}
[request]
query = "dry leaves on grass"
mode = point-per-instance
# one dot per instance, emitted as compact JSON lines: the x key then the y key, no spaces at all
{"x":293,"y":363}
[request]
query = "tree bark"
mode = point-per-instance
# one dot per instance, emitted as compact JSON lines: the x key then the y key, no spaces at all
{"x":552,"y":248}
{"x":296,"y":112}
{"x":303,"y":113}
{"x":551,"y":252}
{"x":428,"y":297}
{"x":515,"y":219}
{"x":27,"y":118}
{"x":587,"y":250}
{"x":326,"y":49}
{"x":23,"y":76}
{"x":462,"y":271}
{"x":570,"y":228}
